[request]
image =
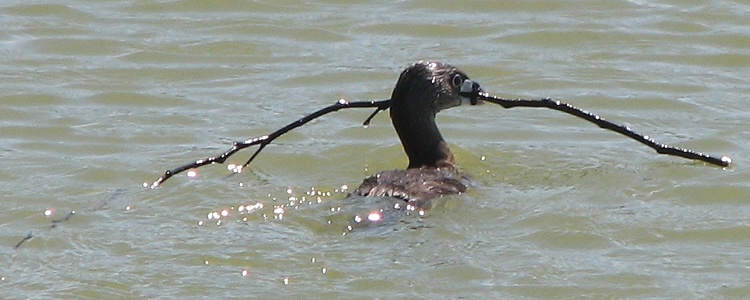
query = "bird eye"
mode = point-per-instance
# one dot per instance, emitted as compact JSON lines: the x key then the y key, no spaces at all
{"x":457,"y":80}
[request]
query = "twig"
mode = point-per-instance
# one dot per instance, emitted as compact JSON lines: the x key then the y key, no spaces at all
{"x":723,"y":161}
{"x":263,"y":141}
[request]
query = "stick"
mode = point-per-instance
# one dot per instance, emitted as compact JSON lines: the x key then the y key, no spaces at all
{"x":58,"y":221}
{"x":723,"y":161}
{"x":26,"y":238}
{"x":263,"y":141}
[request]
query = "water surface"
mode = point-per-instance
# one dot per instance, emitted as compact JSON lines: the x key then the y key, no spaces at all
{"x":99,"y":97}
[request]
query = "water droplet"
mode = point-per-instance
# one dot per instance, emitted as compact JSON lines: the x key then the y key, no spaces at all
{"x":236,"y":169}
{"x":374,"y":217}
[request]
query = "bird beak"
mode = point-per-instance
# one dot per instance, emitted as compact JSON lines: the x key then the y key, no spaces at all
{"x":469,"y":92}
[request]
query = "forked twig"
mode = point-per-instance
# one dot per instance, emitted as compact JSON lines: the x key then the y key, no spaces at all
{"x":723,"y":161}
{"x":263,"y":141}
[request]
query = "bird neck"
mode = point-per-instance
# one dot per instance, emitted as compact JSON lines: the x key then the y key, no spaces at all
{"x":420,"y":137}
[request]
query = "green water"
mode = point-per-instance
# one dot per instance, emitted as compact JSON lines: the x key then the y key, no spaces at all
{"x":99,"y":97}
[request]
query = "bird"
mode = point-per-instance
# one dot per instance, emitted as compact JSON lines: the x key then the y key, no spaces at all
{"x":423,"y":89}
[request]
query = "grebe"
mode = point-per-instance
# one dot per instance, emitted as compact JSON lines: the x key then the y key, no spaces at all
{"x":422,"y":90}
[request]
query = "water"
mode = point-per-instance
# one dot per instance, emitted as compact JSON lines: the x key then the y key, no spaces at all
{"x":99,"y":97}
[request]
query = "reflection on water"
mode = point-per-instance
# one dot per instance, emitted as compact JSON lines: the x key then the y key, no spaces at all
{"x":99,"y":97}
{"x":335,"y":211}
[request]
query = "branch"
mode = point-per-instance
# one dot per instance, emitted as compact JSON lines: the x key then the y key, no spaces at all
{"x":263,"y":141}
{"x":723,"y":161}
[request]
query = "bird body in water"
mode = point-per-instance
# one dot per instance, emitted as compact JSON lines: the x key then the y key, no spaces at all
{"x":422,"y":90}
